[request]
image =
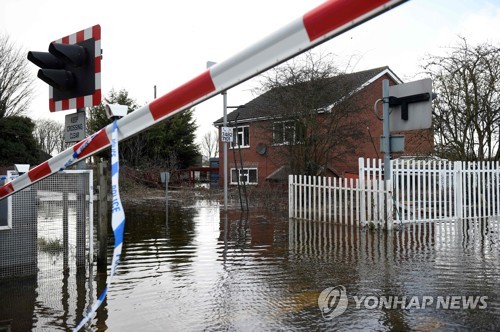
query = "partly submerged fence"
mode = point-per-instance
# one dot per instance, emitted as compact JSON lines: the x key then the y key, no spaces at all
{"x":438,"y":189}
{"x":47,"y":228}
{"x":419,"y":190}
{"x":348,"y":201}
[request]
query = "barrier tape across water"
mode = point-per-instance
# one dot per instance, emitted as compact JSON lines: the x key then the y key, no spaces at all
{"x":70,"y":161}
{"x":117,"y":222}
{"x":77,"y":152}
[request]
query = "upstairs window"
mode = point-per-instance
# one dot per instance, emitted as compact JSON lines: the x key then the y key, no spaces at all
{"x":286,"y":132}
{"x":241,"y":135}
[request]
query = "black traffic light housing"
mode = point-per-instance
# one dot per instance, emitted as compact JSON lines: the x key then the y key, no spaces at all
{"x":68,"y":68}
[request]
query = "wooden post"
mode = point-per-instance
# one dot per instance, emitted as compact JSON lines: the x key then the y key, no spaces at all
{"x":102,"y":225}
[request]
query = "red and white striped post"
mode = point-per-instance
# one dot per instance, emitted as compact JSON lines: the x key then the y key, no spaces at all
{"x":326,"y":21}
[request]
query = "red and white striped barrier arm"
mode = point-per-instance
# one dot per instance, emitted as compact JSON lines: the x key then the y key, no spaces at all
{"x":317,"y":26}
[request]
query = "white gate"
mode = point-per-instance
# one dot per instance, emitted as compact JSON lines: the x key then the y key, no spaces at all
{"x":347,"y":201}
{"x":426,"y":190}
{"x":419,"y":191}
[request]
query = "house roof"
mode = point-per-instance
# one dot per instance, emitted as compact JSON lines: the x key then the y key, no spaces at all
{"x":260,"y":107}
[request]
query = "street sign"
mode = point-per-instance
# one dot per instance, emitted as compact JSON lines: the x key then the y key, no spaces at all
{"x":165,"y":177}
{"x":74,"y":127}
{"x":411,"y":105}
{"x":227,"y":134}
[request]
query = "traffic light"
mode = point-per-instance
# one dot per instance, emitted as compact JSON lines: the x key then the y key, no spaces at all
{"x":72,"y":69}
{"x":69,"y":69}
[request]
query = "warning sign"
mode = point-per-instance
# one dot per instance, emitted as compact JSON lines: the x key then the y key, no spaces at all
{"x":74,"y":127}
{"x":227,"y":134}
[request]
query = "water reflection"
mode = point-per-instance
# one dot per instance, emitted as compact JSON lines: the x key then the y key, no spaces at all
{"x":210,"y":270}
{"x":154,"y":246}
{"x":17,"y":303}
{"x":458,"y":258}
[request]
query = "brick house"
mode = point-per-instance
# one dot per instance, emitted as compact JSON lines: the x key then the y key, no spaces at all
{"x":267,"y":129}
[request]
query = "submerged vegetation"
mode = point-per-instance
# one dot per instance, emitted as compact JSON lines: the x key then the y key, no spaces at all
{"x":50,"y":245}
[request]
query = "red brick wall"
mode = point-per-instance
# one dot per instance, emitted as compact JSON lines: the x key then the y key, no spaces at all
{"x":367,"y":144}
{"x":417,"y":142}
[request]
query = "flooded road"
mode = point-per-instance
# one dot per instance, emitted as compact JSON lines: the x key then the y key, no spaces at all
{"x":205,"y":270}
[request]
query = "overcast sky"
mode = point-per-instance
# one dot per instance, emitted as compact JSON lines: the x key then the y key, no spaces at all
{"x":166,"y":43}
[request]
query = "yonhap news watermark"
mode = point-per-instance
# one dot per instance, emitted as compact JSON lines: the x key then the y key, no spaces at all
{"x":334,"y":301}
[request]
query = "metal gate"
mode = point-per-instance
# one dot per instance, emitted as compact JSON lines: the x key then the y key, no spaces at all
{"x":47,"y":228}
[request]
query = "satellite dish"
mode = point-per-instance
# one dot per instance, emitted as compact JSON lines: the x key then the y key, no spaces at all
{"x":261,"y":149}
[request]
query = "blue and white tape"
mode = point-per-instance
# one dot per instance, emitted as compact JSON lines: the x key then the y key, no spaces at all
{"x":5,"y":177}
{"x":70,"y":161}
{"x":117,"y":222}
{"x":77,"y":152}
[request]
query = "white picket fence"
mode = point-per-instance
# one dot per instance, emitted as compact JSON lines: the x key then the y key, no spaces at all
{"x":434,"y":190}
{"x":347,"y":201}
{"x":419,"y":191}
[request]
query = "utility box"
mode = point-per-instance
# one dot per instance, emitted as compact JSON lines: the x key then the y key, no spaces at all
{"x":214,"y":176}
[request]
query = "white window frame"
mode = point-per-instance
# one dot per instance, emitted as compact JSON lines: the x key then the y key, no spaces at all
{"x":239,"y":136}
{"x":8,"y":203}
{"x":247,"y":175}
{"x":284,"y":127}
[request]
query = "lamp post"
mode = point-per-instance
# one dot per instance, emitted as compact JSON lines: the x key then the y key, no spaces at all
{"x":224,"y":123}
{"x":224,"y":148}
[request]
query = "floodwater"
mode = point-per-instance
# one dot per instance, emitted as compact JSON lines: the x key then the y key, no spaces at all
{"x":204,"y":270}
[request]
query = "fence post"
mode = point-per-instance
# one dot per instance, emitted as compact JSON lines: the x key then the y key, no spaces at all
{"x":497,"y":186}
{"x":290,"y":196}
{"x":326,"y":191}
{"x":362,"y":191}
{"x":388,"y":204}
{"x":396,"y":187}
{"x":457,"y":184}
{"x":330,"y":189}
{"x":102,"y":225}
{"x":308,"y":198}
{"x":300,"y":205}
{"x":81,"y":217}
{"x":314,"y":189}
{"x":65,"y":224}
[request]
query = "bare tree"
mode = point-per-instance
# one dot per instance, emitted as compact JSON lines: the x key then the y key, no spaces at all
{"x":310,"y":106}
{"x":209,"y":144}
{"x":49,"y":135}
{"x":132,"y":150}
{"x":16,"y":81}
{"x":466,"y":116}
